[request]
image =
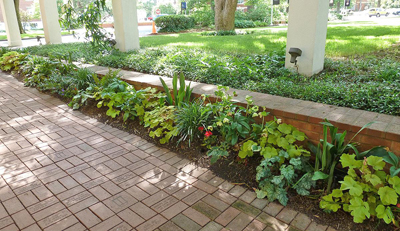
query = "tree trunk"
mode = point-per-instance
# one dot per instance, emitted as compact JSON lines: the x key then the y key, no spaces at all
{"x":379,"y":3}
{"x":338,"y":7}
{"x":225,"y":14}
{"x":16,"y":5}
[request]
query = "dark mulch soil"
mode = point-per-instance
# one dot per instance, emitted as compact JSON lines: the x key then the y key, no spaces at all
{"x":235,"y":171}
{"x":239,"y":172}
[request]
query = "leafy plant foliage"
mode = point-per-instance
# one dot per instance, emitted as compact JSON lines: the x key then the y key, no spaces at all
{"x":366,"y":191}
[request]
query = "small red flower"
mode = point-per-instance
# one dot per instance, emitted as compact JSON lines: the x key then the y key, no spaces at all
{"x":208,"y":134}
{"x":398,"y":205}
{"x":201,"y":129}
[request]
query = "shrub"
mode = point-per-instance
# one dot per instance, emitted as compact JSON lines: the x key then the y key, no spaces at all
{"x":174,"y":23}
{"x":244,"y":24}
{"x":203,"y":16}
{"x":260,"y":23}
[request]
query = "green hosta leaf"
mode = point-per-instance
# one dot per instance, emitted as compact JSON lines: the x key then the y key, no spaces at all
{"x":126,"y":116}
{"x":318,"y":175}
{"x":298,"y":135}
{"x":359,"y":209}
{"x":269,"y":152}
{"x":285,"y":128}
{"x":394,"y":171}
{"x":376,"y":162}
{"x":384,"y":213}
{"x":374,"y":179}
{"x":388,"y":195}
{"x":355,"y":189}
{"x":395,"y":182}
{"x":290,"y":139}
{"x":329,"y":204}
{"x":350,"y":161}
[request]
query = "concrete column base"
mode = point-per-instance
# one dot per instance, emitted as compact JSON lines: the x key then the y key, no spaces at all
{"x":11,"y":23}
{"x":51,"y":25}
{"x":126,"y":25}
{"x":308,"y":21}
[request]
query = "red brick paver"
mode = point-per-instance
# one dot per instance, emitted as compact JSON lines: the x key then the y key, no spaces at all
{"x":61,"y":170}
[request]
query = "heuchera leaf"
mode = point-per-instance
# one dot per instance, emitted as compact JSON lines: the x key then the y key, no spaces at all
{"x":246,"y":150}
{"x":376,"y":162}
{"x":269,"y":152}
{"x":318,"y":175}
{"x":282,"y":142}
{"x":354,"y":187}
{"x":359,"y":209}
{"x":384,"y":213}
{"x":298,"y":135}
{"x":395,"y":182}
{"x":290,"y":139}
{"x":328,"y":203}
{"x":388,"y":195}
{"x":374,"y":179}
{"x":350,"y":161}
{"x":285,"y":128}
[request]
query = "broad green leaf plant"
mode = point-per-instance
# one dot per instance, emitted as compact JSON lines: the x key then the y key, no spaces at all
{"x":366,"y":191}
{"x":328,"y":157}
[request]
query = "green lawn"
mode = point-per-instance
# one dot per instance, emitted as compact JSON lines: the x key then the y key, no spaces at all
{"x":368,"y":81}
{"x":341,"y":40}
{"x":32,"y":34}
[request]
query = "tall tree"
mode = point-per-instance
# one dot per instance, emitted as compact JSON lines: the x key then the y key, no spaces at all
{"x":225,"y":14}
{"x":16,"y":5}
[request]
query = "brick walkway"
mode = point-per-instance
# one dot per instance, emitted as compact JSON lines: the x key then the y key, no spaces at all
{"x":61,"y":170}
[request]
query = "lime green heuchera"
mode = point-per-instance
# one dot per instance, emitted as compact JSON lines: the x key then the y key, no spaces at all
{"x":366,"y":191}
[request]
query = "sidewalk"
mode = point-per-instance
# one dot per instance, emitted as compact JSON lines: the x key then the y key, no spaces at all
{"x":61,"y":170}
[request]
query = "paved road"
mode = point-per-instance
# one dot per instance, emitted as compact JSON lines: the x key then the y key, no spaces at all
{"x":61,"y":170}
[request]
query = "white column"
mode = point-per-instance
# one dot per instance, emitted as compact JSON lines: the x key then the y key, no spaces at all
{"x":126,"y":24}
{"x":51,"y":25}
{"x":11,"y":23}
{"x":308,"y":20}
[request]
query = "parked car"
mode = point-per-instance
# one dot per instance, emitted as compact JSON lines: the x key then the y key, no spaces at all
{"x":159,"y":15}
{"x":396,"y":11}
{"x":346,"y":12}
{"x":377,"y":12}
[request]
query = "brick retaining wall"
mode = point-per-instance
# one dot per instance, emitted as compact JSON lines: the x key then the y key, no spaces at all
{"x":304,"y":115}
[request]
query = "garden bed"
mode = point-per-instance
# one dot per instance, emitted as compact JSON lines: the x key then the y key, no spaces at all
{"x":268,"y":156}
{"x":236,"y":171}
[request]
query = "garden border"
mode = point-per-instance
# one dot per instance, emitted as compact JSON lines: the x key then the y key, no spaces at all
{"x":304,"y":115}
